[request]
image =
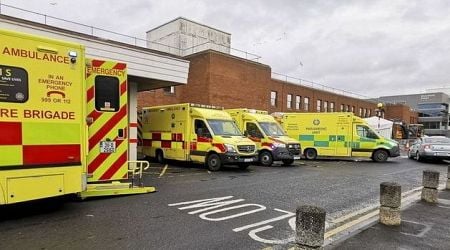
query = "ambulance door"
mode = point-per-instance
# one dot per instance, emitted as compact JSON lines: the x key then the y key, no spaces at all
{"x":363,"y":143}
{"x":201,"y":140}
{"x":107,"y":121}
{"x":254,"y":133}
{"x":343,"y":140}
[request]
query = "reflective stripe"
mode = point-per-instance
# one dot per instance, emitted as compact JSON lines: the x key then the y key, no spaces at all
{"x":39,"y":133}
{"x":11,"y":155}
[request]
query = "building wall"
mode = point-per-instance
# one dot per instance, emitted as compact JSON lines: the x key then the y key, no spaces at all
{"x":231,"y":82}
{"x":401,"y":113}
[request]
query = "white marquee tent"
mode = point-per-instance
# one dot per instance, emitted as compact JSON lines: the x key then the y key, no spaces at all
{"x":380,"y":125}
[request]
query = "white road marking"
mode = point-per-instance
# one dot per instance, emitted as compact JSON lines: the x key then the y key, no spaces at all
{"x":163,"y":171}
{"x":204,"y":215}
{"x":287,"y":215}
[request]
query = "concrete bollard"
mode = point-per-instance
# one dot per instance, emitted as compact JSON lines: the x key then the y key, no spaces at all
{"x":390,"y":202}
{"x":430,"y":184}
{"x":448,"y":178}
{"x":310,"y":227}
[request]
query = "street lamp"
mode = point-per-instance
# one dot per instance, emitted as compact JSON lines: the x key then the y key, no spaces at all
{"x":380,"y":113}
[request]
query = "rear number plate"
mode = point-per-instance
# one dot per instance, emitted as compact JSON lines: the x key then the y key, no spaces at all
{"x":296,"y":157}
{"x":248,"y":160}
{"x":107,"y":146}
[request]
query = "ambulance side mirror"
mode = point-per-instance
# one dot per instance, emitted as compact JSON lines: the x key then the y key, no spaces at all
{"x":245,"y":133}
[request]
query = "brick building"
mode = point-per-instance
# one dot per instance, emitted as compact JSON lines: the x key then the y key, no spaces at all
{"x":225,"y":80}
{"x":401,"y":113}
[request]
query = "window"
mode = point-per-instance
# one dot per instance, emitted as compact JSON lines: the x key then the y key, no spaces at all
{"x":364,"y":131}
{"x":369,"y":113}
{"x":319,"y":105}
{"x":331,"y":106}
{"x":353,"y":109}
{"x":201,"y":130}
{"x":289,"y":101}
{"x":306,"y":103}
{"x":365,"y":112}
{"x":342,"y":107}
{"x":273,"y":98}
{"x":253,"y":130}
{"x":107,"y":93}
{"x":347,"y":109}
{"x":360,"y":112}
{"x":298,"y":101}
{"x":169,"y":90}
{"x":14,"y":87}
{"x":325,"y":106}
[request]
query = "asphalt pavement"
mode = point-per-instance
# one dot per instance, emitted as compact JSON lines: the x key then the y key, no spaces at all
{"x":197,"y":209}
{"x":423,"y":226}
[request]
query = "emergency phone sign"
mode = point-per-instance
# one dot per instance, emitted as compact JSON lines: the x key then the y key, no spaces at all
{"x":13,"y":84}
{"x":107,"y":147}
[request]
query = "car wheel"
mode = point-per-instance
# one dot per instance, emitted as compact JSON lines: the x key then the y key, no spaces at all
{"x":380,"y":155}
{"x":213,"y":162}
{"x":288,"y":162}
{"x":418,"y":158}
{"x":310,"y":154}
{"x":265,"y":158}
{"x":160,"y":156}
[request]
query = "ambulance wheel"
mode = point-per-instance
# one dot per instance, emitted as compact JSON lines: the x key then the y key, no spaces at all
{"x":310,"y":154}
{"x":243,"y":165}
{"x":380,"y":155}
{"x":160,"y":156}
{"x":265,"y":158}
{"x":213,"y":162}
{"x":288,"y":162}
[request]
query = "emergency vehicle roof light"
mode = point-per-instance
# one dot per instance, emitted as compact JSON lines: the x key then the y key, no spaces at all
{"x":205,"y":106}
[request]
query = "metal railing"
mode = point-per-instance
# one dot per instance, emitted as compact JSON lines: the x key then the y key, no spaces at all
{"x":319,"y":86}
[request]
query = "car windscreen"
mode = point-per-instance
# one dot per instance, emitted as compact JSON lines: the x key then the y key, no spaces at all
{"x":437,"y":140}
{"x":224,"y":127}
{"x":271,"y":128}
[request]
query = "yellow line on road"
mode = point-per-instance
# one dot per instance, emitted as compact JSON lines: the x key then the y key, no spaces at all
{"x":163,"y":171}
{"x":350,"y":224}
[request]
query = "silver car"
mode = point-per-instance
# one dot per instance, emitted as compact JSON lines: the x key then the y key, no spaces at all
{"x":430,"y":147}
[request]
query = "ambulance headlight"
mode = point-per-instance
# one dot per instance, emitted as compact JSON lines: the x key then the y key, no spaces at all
{"x":278,"y":145}
{"x":230,"y":148}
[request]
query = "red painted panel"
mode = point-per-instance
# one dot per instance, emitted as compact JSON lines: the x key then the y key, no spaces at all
{"x":203,"y":139}
{"x":166,"y":144}
{"x":123,"y":88}
{"x":51,"y":154}
{"x":10,"y":133}
{"x":120,"y":66}
{"x":146,"y":142}
{"x":156,"y":136}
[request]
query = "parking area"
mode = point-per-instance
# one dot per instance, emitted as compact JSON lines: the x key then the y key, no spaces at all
{"x":194,"y":208}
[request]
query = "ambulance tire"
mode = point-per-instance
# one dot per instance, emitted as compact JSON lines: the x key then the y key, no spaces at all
{"x":159,"y":155}
{"x":265,"y":158}
{"x":213,"y":162}
{"x":310,"y":154}
{"x":288,"y":162}
{"x":380,"y":155}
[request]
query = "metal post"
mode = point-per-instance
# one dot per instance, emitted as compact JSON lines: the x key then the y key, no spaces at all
{"x":310,"y":227}
{"x":430,"y":184}
{"x":448,"y":178}
{"x":390,"y":202}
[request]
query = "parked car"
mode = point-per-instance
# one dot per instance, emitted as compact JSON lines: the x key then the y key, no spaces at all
{"x":430,"y":147}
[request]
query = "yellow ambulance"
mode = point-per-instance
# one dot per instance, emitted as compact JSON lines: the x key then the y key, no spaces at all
{"x":63,"y":121}
{"x":337,"y":135}
{"x":197,"y":133}
{"x":271,"y":141}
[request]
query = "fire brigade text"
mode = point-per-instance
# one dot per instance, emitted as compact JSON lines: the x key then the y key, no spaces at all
{"x":37,"y":114}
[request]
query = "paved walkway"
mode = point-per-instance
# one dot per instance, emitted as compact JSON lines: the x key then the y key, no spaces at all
{"x":424,"y":226}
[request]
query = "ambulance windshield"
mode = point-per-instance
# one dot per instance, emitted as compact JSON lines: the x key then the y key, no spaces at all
{"x":271,"y":128}
{"x":224,"y":127}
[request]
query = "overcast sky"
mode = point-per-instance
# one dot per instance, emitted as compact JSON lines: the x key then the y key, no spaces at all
{"x":373,"y":48}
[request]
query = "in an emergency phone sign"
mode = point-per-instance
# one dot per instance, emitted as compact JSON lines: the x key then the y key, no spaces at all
{"x":13,"y":84}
